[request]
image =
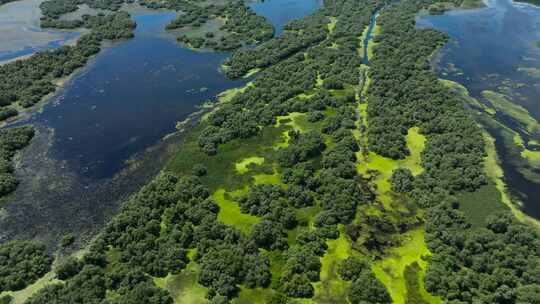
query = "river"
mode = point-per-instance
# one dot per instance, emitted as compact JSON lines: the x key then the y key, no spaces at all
{"x":100,"y":137}
{"x":494,"y":48}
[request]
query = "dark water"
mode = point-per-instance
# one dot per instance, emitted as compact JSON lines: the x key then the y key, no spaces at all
{"x":369,"y":36}
{"x":279,"y":12}
{"x":487,"y":48}
{"x":75,"y":172}
{"x":130,"y":97}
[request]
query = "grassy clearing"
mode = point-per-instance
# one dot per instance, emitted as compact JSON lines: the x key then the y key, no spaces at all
{"x":184,"y":287}
{"x":222,"y":167}
{"x":371,"y":45}
{"x":21,"y":296}
{"x":332,"y":24}
{"x":230,"y":213}
{"x":243,"y":165}
{"x":385,"y":166}
{"x":331,"y":288}
{"x":391,"y":269}
{"x":515,"y":111}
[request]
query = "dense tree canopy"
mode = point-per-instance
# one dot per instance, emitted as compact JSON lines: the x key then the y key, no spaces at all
{"x":22,"y":263}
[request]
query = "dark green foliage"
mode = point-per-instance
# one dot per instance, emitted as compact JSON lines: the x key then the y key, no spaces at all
{"x":69,"y":268}
{"x":67,"y":240}
{"x":405,"y":93}
{"x":302,"y":147}
{"x":412,"y":282}
{"x":269,"y":235}
{"x":351,"y":268}
{"x":402,"y":180}
{"x":367,"y":289}
{"x":22,"y":263}
{"x":28,"y":81}
{"x":7,"y":299}
{"x":242,"y":25}
{"x":11,"y":141}
{"x":485,"y":265}
{"x":298,"y":35}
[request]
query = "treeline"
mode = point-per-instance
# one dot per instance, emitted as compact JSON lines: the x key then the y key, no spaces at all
{"x":497,"y":263}
{"x":21,"y":264}
{"x":297,"y":36}
{"x":151,"y":237}
{"x":27,"y":81}
{"x":275,"y":92}
{"x":11,"y":141}
{"x":241,"y":25}
{"x":54,"y":9}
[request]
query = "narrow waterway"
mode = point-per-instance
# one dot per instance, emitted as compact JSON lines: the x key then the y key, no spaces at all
{"x":100,"y":138}
{"x":494,"y":48}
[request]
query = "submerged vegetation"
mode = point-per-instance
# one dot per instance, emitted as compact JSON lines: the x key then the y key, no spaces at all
{"x":323,"y":179}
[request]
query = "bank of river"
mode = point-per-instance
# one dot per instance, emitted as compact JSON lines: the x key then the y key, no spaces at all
{"x":100,"y":137}
{"x":20,"y":34}
{"x":493,"y":49}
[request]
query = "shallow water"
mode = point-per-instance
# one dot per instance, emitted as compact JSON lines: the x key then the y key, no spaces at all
{"x":488,"y":47}
{"x":128,"y":98}
{"x":20,"y":33}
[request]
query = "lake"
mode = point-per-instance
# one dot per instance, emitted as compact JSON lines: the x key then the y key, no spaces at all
{"x":492,"y":48}
{"x":100,"y":137}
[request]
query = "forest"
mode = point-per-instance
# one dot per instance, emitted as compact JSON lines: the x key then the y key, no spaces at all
{"x":304,"y":186}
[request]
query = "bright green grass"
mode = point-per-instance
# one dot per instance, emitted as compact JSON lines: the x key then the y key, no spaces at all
{"x":517,"y":112}
{"x":21,"y":296}
{"x":332,"y":24}
{"x":222,"y":167}
{"x":371,"y":45}
{"x":331,"y":288}
{"x":385,"y":166}
{"x":243,"y":165}
{"x":230,"y":213}
{"x":184,"y":287}
{"x":390,"y":270}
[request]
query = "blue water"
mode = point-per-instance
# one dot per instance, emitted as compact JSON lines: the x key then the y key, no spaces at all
{"x":7,"y":55}
{"x":136,"y":91}
{"x":486,"y":50}
{"x":279,"y":12}
{"x":131,"y":95}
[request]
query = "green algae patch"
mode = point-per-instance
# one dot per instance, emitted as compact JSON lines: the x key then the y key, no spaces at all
{"x":243,"y":165}
{"x":230,"y":213}
{"x":371,"y":45}
{"x":495,"y":174}
{"x":332,"y":24}
{"x":331,"y":288}
{"x":533,"y":72}
{"x":385,"y":166}
{"x":515,"y":111}
{"x":184,"y":287}
{"x":390,"y":270}
{"x":292,"y":120}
